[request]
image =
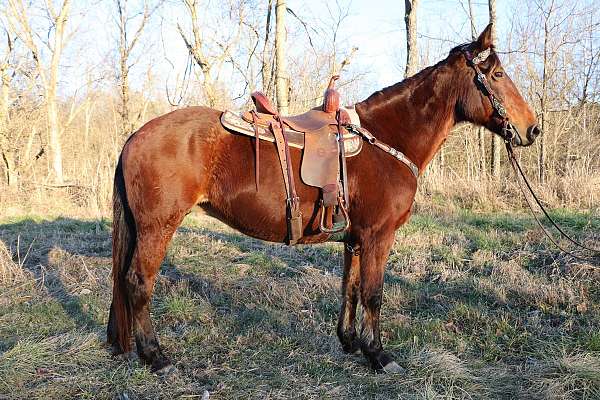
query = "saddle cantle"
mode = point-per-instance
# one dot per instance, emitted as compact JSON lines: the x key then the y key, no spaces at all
{"x":321,"y":134}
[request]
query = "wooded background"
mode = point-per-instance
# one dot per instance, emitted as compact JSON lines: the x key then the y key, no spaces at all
{"x":75,"y":85}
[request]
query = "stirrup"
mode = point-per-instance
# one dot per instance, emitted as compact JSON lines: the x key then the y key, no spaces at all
{"x":338,"y":226}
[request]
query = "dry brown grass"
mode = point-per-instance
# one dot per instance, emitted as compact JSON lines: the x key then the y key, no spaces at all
{"x":476,"y":307}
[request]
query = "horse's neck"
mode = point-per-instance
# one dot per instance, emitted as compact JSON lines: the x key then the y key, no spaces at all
{"x":413,"y":116}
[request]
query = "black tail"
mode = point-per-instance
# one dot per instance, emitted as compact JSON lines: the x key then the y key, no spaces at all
{"x":123,"y":245}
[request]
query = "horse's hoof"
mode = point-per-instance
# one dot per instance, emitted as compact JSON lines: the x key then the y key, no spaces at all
{"x":116,"y":351}
{"x":393,"y":368}
{"x":352,"y":347}
{"x":166,"y":372}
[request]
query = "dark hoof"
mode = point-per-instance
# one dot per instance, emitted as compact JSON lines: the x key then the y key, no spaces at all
{"x":393,"y":368}
{"x":166,"y":372}
{"x":116,"y":351}
{"x":349,"y":341}
{"x":383,"y":363}
{"x":162,"y":366}
{"x":351,"y":347}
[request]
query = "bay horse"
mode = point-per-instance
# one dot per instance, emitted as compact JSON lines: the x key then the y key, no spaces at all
{"x":187,"y":158}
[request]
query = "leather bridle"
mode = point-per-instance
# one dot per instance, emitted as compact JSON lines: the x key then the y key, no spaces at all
{"x":509,"y":132}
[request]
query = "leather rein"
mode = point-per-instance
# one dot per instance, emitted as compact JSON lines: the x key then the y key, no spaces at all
{"x":508,"y":135}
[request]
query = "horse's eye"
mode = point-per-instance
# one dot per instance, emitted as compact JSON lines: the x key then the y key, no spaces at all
{"x":498,"y":74}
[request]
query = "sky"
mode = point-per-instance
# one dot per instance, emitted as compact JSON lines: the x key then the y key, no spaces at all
{"x":377,"y":28}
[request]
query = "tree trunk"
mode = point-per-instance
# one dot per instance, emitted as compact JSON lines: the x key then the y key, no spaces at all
{"x":6,"y":147}
{"x":123,"y":67}
{"x":472,"y":20}
{"x":52,"y":105}
{"x":412,"y":51}
{"x":194,"y":46}
{"x":126,"y":127}
{"x":481,"y":147}
{"x":480,"y":130}
{"x":496,"y":143}
{"x":281,"y":78}
{"x":543,"y":104}
{"x":265,"y":68}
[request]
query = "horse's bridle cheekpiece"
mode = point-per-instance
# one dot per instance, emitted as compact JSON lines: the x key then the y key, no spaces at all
{"x":509,"y":132}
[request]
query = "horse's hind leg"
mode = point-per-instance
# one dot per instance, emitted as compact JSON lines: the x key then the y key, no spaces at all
{"x":346,"y":329}
{"x":140,"y":279}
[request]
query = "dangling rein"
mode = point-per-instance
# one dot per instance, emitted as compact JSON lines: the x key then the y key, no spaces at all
{"x":508,"y":134}
{"x":520,"y":174}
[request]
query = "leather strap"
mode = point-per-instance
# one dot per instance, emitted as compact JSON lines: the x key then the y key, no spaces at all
{"x":343,"y":171}
{"x":398,"y":155}
{"x":257,"y":147}
{"x":294,"y":216}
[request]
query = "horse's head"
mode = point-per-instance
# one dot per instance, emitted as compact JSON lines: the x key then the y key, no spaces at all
{"x":490,"y":98}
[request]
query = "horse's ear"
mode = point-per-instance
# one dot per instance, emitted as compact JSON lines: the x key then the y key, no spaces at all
{"x":485,"y":39}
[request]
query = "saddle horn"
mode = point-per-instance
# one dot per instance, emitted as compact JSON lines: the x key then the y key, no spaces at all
{"x":331,"y":98}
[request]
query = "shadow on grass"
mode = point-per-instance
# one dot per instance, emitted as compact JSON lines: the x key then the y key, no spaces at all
{"x":39,"y":238}
{"x":32,"y":242}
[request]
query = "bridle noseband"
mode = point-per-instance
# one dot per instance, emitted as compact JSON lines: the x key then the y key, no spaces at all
{"x":509,"y":132}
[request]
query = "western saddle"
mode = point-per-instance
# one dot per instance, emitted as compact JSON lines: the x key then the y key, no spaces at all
{"x":326,"y":142}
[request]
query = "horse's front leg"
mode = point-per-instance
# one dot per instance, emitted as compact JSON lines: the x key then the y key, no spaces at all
{"x":346,"y":329}
{"x":375,"y":251}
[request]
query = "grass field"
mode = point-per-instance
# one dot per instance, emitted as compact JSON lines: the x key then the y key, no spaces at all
{"x":476,"y":305}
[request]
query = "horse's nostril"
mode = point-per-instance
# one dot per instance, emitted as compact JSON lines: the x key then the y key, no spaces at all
{"x":533,"y":131}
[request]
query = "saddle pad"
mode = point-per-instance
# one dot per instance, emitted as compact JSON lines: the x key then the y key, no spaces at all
{"x":321,"y":159}
{"x":234,"y":122}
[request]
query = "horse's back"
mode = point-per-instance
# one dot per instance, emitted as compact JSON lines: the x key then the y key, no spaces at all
{"x":164,"y":162}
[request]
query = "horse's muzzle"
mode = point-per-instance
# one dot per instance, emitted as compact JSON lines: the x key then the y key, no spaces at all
{"x":517,"y":140}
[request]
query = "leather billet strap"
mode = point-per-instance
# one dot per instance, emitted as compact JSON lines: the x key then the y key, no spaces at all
{"x":294,"y":215}
{"x":398,"y":155}
{"x":343,"y":168}
{"x":257,"y":147}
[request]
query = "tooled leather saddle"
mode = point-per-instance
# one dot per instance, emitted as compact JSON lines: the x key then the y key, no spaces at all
{"x":326,"y":143}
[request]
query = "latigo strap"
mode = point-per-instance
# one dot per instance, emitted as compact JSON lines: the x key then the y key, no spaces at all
{"x":294,"y":215}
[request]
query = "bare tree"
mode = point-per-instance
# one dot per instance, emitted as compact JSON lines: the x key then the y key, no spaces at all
{"x":282,"y":83}
{"x":412,"y":51}
{"x":48,"y":74}
{"x":496,"y":143}
{"x":265,"y":61}
{"x":5,"y":80}
{"x":480,"y":130}
{"x":129,"y":38}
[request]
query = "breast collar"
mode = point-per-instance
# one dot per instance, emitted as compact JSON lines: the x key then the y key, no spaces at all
{"x":355,"y":127}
